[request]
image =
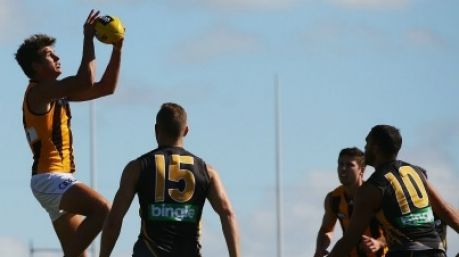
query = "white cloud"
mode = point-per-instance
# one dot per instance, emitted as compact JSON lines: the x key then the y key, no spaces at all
{"x":341,"y":37}
{"x":8,"y":13}
{"x":12,"y":247}
{"x":424,"y":37}
{"x":303,"y":210}
{"x":146,"y":94}
{"x":236,"y":5}
{"x":372,"y":3}
{"x":16,"y":21}
{"x":135,"y":95}
{"x":435,"y":151}
{"x":220,"y":5}
{"x":15,"y":248}
{"x":249,"y":4}
{"x":218,"y":42}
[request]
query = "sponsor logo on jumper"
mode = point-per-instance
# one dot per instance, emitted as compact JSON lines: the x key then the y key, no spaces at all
{"x":173,"y":212}
{"x":419,"y":218}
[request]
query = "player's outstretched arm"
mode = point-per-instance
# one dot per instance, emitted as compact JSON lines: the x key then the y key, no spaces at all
{"x":325,"y":234}
{"x":442,"y":208}
{"x":87,"y":71}
{"x":121,"y":204}
{"x":222,"y":205}
{"x":84,"y":78}
{"x":109,"y":81}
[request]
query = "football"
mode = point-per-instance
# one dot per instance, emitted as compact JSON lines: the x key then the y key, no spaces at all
{"x":109,"y":29}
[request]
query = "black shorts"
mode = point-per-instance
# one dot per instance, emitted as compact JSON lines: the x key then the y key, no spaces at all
{"x":141,"y":249}
{"x":423,"y":253}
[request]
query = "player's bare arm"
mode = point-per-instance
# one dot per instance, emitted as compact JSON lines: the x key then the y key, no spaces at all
{"x":52,"y":89}
{"x":222,"y":206}
{"x":121,"y":204}
{"x":372,"y":245}
{"x":367,"y":200}
{"x":109,"y":81}
{"x":82,"y":86}
{"x":327,"y":227}
{"x":442,"y":208}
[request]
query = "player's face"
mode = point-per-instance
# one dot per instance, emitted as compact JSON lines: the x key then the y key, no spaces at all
{"x":349,"y":170}
{"x":49,"y":64}
{"x":369,"y":151}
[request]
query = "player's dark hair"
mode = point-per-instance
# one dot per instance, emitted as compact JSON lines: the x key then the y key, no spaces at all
{"x":171,"y":119}
{"x":355,"y":153}
{"x":28,"y":53}
{"x":388,"y":138}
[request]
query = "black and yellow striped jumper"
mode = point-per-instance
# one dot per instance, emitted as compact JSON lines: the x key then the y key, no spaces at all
{"x":342,"y":207}
{"x":406,"y":213}
{"x":49,"y":136}
{"x":172,"y":189}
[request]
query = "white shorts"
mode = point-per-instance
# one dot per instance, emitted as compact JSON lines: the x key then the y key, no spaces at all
{"x":48,"y":189}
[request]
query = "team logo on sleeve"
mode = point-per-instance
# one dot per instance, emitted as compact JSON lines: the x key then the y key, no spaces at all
{"x":66,"y":183}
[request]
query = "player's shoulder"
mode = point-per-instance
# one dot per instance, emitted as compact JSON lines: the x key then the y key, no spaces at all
{"x":189,"y":153}
{"x":41,"y":88}
{"x":378,"y":176}
{"x":333,"y":198}
{"x":131,"y":172}
{"x":329,"y":199}
{"x":134,"y":165}
{"x":170,"y":150}
{"x":199,"y":163}
{"x":35,"y":92}
{"x":338,"y":191}
{"x":415,"y":167}
{"x":211,"y":171}
{"x":143,"y":158}
{"x":369,"y":193}
{"x":334,"y":194}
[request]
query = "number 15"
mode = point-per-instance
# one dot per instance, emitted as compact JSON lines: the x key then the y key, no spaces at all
{"x":175,"y":174}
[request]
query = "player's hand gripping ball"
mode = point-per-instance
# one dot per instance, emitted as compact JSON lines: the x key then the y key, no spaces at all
{"x":109,"y":29}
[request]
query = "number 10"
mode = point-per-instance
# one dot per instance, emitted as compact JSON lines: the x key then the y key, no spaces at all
{"x":417,"y":192}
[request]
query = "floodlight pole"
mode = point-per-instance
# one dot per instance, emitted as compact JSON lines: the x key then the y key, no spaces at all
{"x":92,"y":160}
{"x":279,"y":209}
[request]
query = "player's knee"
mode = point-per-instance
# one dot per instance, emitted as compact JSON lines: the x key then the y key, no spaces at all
{"x":100,"y":209}
{"x":101,"y":213}
{"x":104,"y":208}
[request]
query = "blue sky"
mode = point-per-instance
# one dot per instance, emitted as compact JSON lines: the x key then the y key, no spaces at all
{"x":343,"y":66}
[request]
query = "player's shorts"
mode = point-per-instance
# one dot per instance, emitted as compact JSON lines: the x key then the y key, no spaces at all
{"x":141,"y":249}
{"x":422,"y":253}
{"x":48,"y":189}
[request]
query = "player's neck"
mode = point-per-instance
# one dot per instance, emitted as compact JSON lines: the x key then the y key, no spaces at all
{"x":39,"y":80}
{"x":171,"y":143}
{"x":383,"y":160}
